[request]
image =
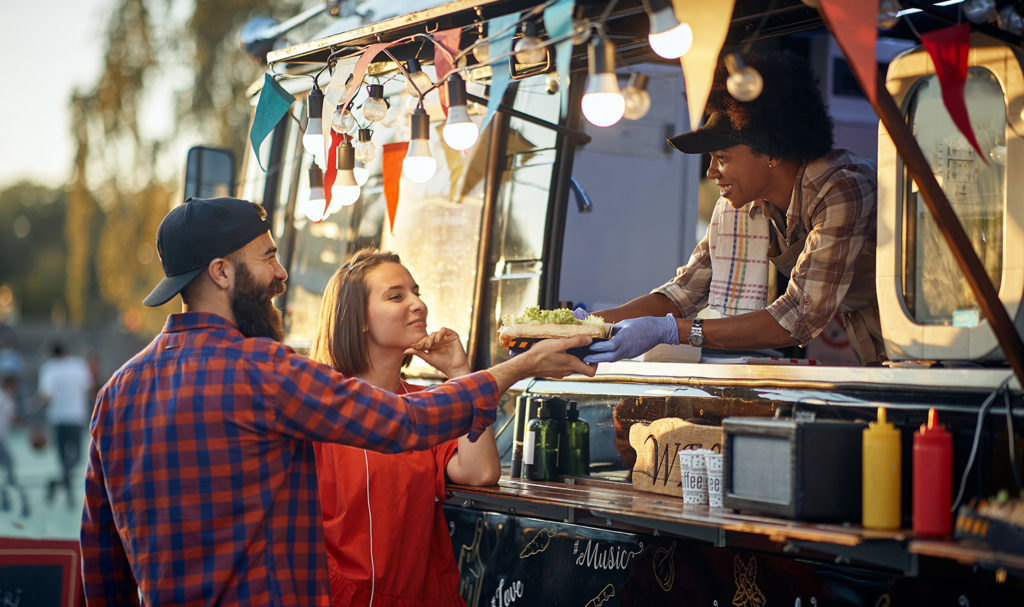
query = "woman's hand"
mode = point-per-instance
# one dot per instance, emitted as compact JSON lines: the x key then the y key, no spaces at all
{"x":443,"y":350}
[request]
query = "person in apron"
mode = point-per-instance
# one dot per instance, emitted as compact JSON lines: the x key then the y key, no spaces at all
{"x":774,"y":154}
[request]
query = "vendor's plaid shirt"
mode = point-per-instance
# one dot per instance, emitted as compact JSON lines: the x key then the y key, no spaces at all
{"x":201,"y":486}
{"x":834,"y":207}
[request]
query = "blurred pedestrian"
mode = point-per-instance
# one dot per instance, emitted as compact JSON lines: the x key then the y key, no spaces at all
{"x":12,"y":365}
{"x":65,"y":389}
{"x":8,"y":388}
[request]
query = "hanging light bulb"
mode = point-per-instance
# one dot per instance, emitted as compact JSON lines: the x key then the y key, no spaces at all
{"x":602,"y":104}
{"x":744,"y":82}
{"x":551,"y":83}
{"x":481,"y":50}
{"x":530,"y":48}
{"x":375,"y":107}
{"x":638,"y":102}
{"x":362,"y":175}
{"x":980,"y":11}
{"x":888,"y":14}
{"x":345,"y":190}
{"x":419,"y":82}
{"x":460,"y":133}
{"x":365,"y":149}
{"x":667,"y":37}
{"x":342,"y":121}
{"x":313,"y":138}
{"x":419,"y":165}
{"x":313,"y":207}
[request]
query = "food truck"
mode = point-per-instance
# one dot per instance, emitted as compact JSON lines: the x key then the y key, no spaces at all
{"x":547,"y":209}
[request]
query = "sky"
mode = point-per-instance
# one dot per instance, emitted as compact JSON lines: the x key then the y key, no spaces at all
{"x":49,"y":49}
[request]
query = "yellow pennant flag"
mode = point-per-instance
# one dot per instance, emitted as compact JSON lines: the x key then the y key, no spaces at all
{"x":710,"y":24}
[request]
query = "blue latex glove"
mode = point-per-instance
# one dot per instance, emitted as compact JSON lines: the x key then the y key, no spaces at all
{"x":580,"y":314}
{"x":634,"y":336}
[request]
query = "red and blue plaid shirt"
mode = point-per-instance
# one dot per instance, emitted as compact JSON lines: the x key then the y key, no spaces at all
{"x":201,"y":486}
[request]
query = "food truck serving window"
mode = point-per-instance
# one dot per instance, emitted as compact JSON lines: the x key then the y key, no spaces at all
{"x":934,"y":288}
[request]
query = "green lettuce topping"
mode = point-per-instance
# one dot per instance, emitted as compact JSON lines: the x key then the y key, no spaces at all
{"x":562,"y":316}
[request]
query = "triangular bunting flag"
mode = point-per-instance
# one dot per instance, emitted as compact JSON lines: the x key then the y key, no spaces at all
{"x":948,"y":49}
{"x":854,"y":23}
{"x":449,"y":41}
{"x":710,"y":24}
{"x":270,"y":109}
{"x":392,"y":155}
{"x":558,"y":23}
{"x":500,"y":46}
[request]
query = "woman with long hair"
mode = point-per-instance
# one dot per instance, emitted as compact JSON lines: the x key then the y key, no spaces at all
{"x":387,"y":537}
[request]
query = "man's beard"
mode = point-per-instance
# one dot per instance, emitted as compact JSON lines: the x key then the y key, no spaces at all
{"x":252,"y":305}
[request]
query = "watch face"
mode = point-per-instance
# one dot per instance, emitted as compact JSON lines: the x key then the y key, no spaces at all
{"x":696,"y":341}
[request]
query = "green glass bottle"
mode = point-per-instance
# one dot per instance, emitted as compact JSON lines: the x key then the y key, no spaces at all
{"x":541,"y":462}
{"x":577,"y":448}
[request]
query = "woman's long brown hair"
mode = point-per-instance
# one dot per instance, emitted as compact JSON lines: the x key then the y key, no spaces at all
{"x":341,"y":339}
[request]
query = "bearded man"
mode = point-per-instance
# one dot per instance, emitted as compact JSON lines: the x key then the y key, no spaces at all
{"x":201,"y":485}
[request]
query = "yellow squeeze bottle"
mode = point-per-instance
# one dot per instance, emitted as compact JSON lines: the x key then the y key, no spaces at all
{"x":881,"y":475}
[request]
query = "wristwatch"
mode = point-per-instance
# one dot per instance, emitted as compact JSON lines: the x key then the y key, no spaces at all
{"x":697,"y":333}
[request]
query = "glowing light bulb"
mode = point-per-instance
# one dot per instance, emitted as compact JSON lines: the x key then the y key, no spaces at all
{"x":419,"y":82}
{"x":419,"y":165}
{"x":375,"y":107}
{"x":365,"y":148}
{"x":667,"y":36}
{"x":314,"y":204}
{"x":313,"y":138}
{"x":638,"y":101}
{"x":888,"y":14}
{"x":530,"y":48}
{"x":362,"y":175}
{"x":998,"y":154}
{"x":980,"y":11}
{"x":345,"y":190}
{"x":744,"y":82}
{"x":342,"y":121}
{"x":482,"y":51}
{"x":602,"y":103}
{"x":460,"y":133}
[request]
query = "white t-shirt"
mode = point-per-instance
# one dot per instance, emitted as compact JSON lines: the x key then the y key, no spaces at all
{"x":66,"y":381}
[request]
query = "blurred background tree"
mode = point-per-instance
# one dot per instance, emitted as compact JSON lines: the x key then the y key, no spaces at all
{"x":125,"y":179}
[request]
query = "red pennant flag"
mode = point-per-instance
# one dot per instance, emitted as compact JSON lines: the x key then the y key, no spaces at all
{"x":392,"y":156}
{"x":448,"y":40}
{"x":854,"y":23}
{"x":331,"y":171}
{"x":948,"y":49}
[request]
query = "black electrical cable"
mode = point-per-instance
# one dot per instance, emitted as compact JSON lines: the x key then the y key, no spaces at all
{"x":977,"y":439}
{"x":1009,"y":439}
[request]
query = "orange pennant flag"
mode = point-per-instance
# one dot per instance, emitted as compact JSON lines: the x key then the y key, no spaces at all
{"x":391,"y":168}
{"x":854,"y":24}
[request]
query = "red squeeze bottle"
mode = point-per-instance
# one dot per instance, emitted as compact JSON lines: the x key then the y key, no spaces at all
{"x":933,"y":478}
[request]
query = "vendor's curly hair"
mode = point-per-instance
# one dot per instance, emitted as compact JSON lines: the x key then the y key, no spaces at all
{"x":789,"y":119}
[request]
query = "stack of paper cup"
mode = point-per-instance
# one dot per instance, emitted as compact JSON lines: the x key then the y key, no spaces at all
{"x":693,"y":473}
{"x":716,"y":486}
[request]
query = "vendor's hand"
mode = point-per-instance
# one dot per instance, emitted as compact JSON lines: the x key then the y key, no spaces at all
{"x":443,"y":350}
{"x":634,"y":336}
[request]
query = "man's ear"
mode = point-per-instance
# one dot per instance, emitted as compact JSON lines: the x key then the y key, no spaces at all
{"x":222,"y":273}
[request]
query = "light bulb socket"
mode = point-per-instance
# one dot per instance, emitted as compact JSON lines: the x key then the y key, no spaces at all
{"x":734,"y":62}
{"x":346,"y":156}
{"x":601,"y":54}
{"x":531,"y":29}
{"x":456,"y":90}
{"x":412,"y":66}
{"x":315,"y":103}
{"x":638,"y":80}
{"x":420,"y":124}
{"x":364,"y":135}
{"x":375,"y":90}
{"x":316,"y":177}
{"x":654,"y":6}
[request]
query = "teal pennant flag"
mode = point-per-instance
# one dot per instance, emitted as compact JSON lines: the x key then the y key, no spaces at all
{"x":558,"y":23}
{"x":270,"y":109}
{"x":500,"y":46}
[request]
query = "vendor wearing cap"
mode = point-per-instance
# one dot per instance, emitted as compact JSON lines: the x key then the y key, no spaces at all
{"x":772,"y":156}
{"x":201,"y":485}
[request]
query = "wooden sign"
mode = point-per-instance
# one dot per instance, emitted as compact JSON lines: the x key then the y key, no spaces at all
{"x":657,"y":448}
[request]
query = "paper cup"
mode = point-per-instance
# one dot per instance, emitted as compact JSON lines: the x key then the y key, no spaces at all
{"x":694,"y":476}
{"x":716,"y":484}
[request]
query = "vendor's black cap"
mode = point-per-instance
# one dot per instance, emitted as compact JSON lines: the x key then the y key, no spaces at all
{"x":716,"y":134}
{"x":197,"y":232}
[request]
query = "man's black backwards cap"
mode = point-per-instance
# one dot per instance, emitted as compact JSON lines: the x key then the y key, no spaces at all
{"x":197,"y":232}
